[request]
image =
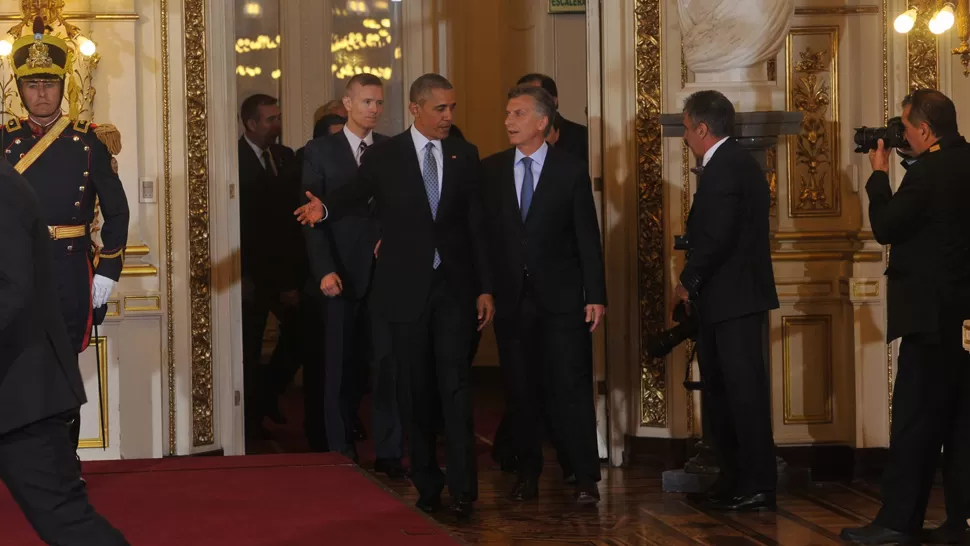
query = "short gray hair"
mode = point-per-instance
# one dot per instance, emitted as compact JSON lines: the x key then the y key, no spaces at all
{"x":545,"y":105}
{"x":423,"y":86}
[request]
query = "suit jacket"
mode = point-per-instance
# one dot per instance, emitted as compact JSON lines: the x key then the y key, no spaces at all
{"x":390,"y":173}
{"x":344,"y":246}
{"x":559,"y":242}
{"x":272,"y":248}
{"x":573,"y":138}
{"x":928,"y":227}
{"x":39,"y":375}
{"x":728,"y":271}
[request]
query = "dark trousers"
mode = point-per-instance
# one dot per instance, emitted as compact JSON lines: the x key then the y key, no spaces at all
{"x":436,"y":345}
{"x":931,"y":410}
{"x":38,"y":466}
{"x":387,"y":430}
{"x":344,"y":360}
{"x":263,"y":384}
{"x":547,"y":363}
{"x":737,"y":400}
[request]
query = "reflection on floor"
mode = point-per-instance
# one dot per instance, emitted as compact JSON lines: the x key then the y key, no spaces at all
{"x":633,"y":512}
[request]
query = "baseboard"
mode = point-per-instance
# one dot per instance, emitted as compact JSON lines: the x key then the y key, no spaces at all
{"x":660,"y":453}
{"x":827,"y":462}
{"x":213,"y":453}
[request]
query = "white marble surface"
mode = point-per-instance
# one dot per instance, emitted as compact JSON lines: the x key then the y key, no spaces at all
{"x":724,"y":35}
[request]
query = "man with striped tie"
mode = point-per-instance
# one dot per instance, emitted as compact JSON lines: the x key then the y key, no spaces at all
{"x":432,"y":282}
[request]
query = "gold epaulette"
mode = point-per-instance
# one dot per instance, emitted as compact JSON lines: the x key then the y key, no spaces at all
{"x":82,"y":125}
{"x":110,"y":136}
{"x":13,"y":125}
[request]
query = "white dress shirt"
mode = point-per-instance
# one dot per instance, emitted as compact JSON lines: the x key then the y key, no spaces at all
{"x":257,"y":150}
{"x":710,"y":152}
{"x":538,"y":158}
{"x":420,"y":141}
{"x":355,"y":141}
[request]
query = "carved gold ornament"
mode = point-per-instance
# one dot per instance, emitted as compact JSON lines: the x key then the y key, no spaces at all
{"x":812,"y":88}
{"x":650,"y":232}
{"x":39,"y":56}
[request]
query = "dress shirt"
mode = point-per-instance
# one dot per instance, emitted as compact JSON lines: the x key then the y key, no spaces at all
{"x":538,"y":158}
{"x":355,"y":141}
{"x":259,"y":151}
{"x":420,"y":141}
{"x":710,"y":153}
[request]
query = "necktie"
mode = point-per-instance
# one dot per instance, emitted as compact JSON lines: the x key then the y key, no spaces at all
{"x":430,"y":175}
{"x":360,"y":151}
{"x":268,"y":162}
{"x":525,"y":197}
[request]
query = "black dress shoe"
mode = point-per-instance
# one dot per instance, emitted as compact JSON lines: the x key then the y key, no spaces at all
{"x":586,"y":495}
{"x":743,"y":503}
{"x":429,"y":505}
{"x":461,"y":509}
{"x":525,"y":489}
{"x":875,"y":534}
{"x":392,"y":467}
{"x":946,"y":534}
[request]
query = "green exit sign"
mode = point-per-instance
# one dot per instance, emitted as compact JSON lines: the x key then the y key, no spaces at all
{"x":567,"y":6}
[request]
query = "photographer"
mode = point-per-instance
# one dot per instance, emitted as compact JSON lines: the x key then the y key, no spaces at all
{"x":928,"y":298}
{"x":728,"y":282}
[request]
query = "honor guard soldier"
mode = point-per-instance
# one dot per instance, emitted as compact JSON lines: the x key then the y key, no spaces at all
{"x":70,"y":164}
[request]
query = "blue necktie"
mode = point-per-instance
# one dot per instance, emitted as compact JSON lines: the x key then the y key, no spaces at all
{"x":525,"y":198}
{"x":430,"y":175}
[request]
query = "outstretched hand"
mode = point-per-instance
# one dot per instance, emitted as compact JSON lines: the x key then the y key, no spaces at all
{"x":311,"y":213}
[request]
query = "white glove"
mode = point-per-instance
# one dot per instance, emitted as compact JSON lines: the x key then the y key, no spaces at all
{"x":100,"y":290}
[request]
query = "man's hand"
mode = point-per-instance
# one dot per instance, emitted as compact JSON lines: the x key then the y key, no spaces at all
{"x":331,"y":285}
{"x":594,"y":315}
{"x":680,"y":295}
{"x":290,"y":298}
{"x":311,"y":213}
{"x":486,"y":310}
{"x":879,"y":158}
{"x":377,"y":247}
{"x":100,"y":290}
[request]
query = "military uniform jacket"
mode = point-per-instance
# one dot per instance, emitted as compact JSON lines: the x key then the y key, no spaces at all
{"x":75,"y":170}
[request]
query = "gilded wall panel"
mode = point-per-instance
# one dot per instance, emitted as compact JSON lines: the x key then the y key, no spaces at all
{"x":650,"y":230}
{"x":923,"y":66}
{"x":807,"y":365}
{"x":200,"y":274}
{"x":97,"y":357}
{"x":812,"y":87}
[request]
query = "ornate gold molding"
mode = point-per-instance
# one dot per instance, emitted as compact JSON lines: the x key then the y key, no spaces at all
{"x":167,"y":156}
{"x":788,"y":325}
{"x":650,"y":226}
{"x":139,"y":270}
{"x":142,"y":303}
{"x":771,"y":173}
{"x":200,"y":273}
{"x":922,"y":56}
{"x":814,"y":188}
{"x":100,"y":344}
{"x":82,"y":17}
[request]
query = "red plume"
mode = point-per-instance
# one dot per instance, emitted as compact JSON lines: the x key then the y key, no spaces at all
{"x":38,"y":25}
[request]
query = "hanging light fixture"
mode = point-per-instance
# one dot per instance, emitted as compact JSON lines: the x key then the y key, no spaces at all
{"x":942,"y":21}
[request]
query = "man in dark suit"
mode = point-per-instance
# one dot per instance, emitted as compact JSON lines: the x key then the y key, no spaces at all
{"x":928,"y":298}
{"x":40,"y":384}
{"x":341,"y":254}
{"x":729,"y":283}
{"x":573,"y":137}
{"x":550,"y":290}
{"x":432,"y":277}
{"x":273,"y":258}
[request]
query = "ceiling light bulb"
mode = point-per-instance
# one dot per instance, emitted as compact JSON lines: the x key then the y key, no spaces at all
{"x":904,"y":23}
{"x":944,"y":18}
{"x":87,"y":47}
{"x":6,"y":46}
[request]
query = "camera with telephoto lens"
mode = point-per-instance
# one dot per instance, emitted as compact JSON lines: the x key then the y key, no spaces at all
{"x":893,"y":135}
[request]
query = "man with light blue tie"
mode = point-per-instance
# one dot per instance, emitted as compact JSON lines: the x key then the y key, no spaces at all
{"x":550,"y":291}
{"x":432,"y":282}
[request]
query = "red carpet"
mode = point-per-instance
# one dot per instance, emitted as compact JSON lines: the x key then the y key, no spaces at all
{"x":257,"y":500}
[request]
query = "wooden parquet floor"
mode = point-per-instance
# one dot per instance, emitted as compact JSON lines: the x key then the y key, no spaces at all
{"x":634,"y":512}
